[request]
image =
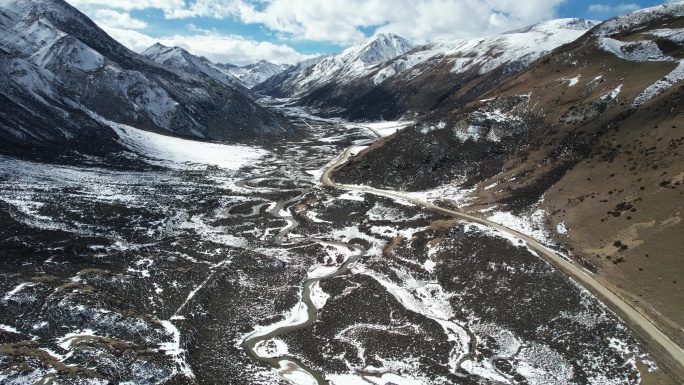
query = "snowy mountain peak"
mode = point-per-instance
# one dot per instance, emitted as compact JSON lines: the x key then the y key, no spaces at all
{"x":558,"y":25}
{"x":184,"y":63}
{"x":639,"y":18}
{"x":253,"y":74}
{"x":161,"y":53}
{"x":157,"y":47}
{"x":377,"y":49}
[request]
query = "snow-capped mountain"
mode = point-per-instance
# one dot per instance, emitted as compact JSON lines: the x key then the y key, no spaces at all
{"x":424,"y":78}
{"x":186,"y":64}
{"x":513,"y":49}
{"x":253,"y":74}
{"x":63,"y":78}
{"x":585,"y":85}
{"x":338,"y":70}
{"x":275,"y":85}
{"x":590,"y":136}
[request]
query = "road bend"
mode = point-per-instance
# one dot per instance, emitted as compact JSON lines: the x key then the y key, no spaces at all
{"x":664,"y":344}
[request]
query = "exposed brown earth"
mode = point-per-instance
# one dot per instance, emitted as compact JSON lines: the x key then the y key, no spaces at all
{"x":623,"y":202}
{"x":612,"y":173}
{"x":648,"y":330}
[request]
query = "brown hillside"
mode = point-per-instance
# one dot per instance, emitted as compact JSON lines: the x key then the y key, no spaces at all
{"x":570,"y":139}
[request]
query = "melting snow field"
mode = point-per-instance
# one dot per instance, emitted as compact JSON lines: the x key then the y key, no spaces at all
{"x":201,"y":254}
{"x":185,"y":154}
{"x":532,"y":225}
{"x":382,"y":129}
{"x":646,"y":50}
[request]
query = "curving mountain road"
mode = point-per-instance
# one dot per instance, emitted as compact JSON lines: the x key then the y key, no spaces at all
{"x":665,"y":345}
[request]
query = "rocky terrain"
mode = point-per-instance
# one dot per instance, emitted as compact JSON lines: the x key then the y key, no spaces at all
{"x":252,"y":74}
{"x":132,"y":252}
{"x":62,"y":76}
{"x":589,"y":136}
{"x":425,"y":79}
{"x":162,"y":275}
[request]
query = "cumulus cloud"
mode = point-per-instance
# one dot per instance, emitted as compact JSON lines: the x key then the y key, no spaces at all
{"x":214,"y":46}
{"x":111,"y":18}
{"x":129,"y":5}
{"x":620,"y":8}
{"x":342,"y":21}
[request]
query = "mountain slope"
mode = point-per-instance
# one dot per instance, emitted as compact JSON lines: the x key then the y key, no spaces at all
{"x":440,"y":75}
{"x":589,"y":138}
{"x":279,"y":85}
{"x":336,"y":71}
{"x":253,"y":74}
{"x":61,"y":75}
{"x":186,"y":64}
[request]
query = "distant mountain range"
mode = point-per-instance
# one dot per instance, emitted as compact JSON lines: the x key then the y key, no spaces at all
{"x":239,"y":78}
{"x":64,"y":79}
{"x":338,"y":70}
{"x":590,"y":133}
{"x":252,"y":74}
{"x":387,"y":77}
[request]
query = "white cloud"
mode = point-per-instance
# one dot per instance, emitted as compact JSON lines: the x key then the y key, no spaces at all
{"x":215,"y":47}
{"x":342,"y":21}
{"x":218,"y":9}
{"x":111,"y":18}
{"x":134,"y":40}
{"x":129,"y":5}
{"x":617,"y":9}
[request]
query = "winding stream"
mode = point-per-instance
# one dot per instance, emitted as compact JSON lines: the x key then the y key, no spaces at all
{"x":305,"y":312}
{"x":286,"y":364}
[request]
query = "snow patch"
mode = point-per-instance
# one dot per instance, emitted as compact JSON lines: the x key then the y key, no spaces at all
{"x":353,"y":196}
{"x":640,"y":51}
{"x":612,"y":95}
{"x":272,"y":348}
{"x":185,"y":154}
{"x":318,"y":296}
{"x":561,"y":228}
{"x":9,"y":329}
{"x":70,"y":338}
{"x":573,"y":81}
{"x":532,"y":225}
{"x":660,"y":86}
{"x":173,"y":348}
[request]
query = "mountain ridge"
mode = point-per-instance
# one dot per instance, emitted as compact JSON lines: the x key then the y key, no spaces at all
{"x":337,"y":69}
{"x":187,"y":64}
{"x":425,"y":79}
{"x":58,"y":60}
{"x":589,"y":134}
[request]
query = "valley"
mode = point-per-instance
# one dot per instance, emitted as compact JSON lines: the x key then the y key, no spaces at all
{"x":171,"y":270}
{"x":501,"y":209}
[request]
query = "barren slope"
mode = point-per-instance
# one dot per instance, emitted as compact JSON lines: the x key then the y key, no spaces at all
{"x":592,"y":134}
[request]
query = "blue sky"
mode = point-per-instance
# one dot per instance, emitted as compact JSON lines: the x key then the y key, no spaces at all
{"x":287,"y":31}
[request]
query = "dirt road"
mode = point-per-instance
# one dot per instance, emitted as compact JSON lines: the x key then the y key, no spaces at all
{"x":675,"y":353}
